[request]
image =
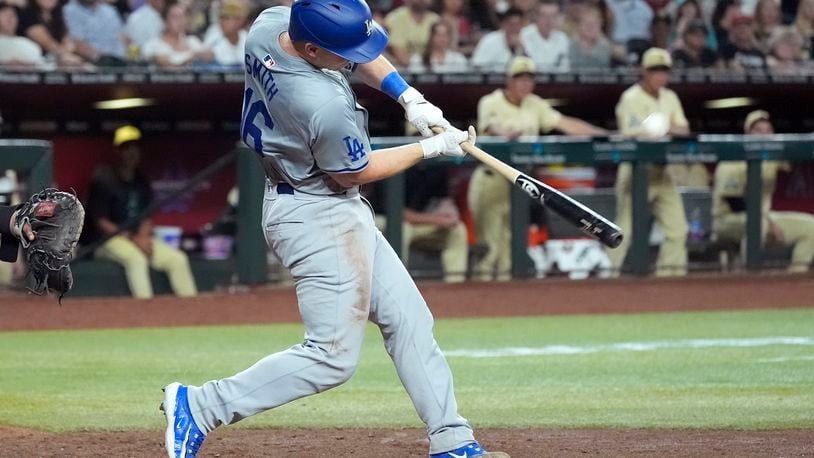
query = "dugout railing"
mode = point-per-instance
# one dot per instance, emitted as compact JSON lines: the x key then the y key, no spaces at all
{"x":549,"y":150}
{"x":36,"y":158}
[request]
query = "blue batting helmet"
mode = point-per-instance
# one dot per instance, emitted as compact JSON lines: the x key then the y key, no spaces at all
{"x":343,"y":27}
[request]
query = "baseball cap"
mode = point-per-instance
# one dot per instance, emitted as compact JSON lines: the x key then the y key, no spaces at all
{"x":521,"y":65}
{"x":753,"y":117}
{"x":656,"y":58}
{"x":126,"y":134}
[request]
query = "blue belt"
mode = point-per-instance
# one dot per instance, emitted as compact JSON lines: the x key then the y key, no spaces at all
{"x":285,"y":188}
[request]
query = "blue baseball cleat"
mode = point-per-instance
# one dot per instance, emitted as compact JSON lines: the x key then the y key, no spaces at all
{"x":470,"y":450}
{"x":183,"y":437}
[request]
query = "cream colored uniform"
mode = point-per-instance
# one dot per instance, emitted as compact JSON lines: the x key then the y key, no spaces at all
{"x":172,"y":261}
{"x":730,"y":223}
{"x":489,"y":193}
{"x":634,"y":106}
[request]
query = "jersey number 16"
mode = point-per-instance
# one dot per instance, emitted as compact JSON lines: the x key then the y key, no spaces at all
{"x":247,"y":126}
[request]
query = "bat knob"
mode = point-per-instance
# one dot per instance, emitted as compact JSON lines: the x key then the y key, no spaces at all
{"x":614,"y":239}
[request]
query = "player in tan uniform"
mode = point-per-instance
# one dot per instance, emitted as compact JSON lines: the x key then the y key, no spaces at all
{"x":729,"y":207}
{"x":510,"y":112}
{"x":639,"y":112}
{"x":118,"y":195}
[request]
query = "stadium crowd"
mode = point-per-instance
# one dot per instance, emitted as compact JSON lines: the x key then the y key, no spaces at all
{"x":425,"y":35}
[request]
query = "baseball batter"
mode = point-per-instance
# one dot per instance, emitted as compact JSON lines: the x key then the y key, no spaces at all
{"x":301,"y":116}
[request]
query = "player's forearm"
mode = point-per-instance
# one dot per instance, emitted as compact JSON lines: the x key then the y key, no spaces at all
{"x":372,"y":73}
{"x":6,"y":219}
{"x":414,"y":217}
{"x":383,"y":164}
{"x":106,"y":226}
{"x":574,"y":126}
{"x":382,"y":75}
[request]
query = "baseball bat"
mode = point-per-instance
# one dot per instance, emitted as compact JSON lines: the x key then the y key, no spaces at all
{"x":589,"y":221}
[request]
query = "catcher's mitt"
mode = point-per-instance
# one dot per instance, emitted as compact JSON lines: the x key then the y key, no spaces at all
{"x":56,"y":218}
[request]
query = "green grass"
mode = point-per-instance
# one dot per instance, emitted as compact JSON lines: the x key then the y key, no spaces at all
{"x":111,"y":379}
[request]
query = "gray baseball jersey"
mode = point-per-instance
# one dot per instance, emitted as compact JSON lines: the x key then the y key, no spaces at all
{"x":305,"y":123}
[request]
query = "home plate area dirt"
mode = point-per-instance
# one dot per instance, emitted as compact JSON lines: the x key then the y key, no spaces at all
{"x":364,"y":443}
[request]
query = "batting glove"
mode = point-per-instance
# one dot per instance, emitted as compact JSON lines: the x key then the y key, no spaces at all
{"x":448,"y":143}
{"x":422,"y":114}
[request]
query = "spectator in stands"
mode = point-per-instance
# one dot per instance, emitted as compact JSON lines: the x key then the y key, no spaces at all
{"x":145,"y":23}
{"x":767,"y":19}
{"x":484,"y":15}
{"x":97,"y":30}
{"x":431,"y":221}
{"x":198,"y":13}
{"x":631,"y":20}
{"x":454,"y":12}
{"x":228,"y":38}
{"x":573,"y":9}
{"x":438,"y":56}
{"x":804,"y":22}
{"x":725,"y":12}
{"x":589,"y":50}
{"x":16,"y":52}
{"x":660,"y":30}
{"x":174,"y":48}
{"x":648,"y":109}
{"x":692,"y":51}
{"x":42,"y":22}
{"x":689,"y":12}
{"x":409,"y":29}
{"x":786,"y":51}
{"x":544,"y":42}
{"x":779,"y":227}
{"x":119,"y":194}
{"x":742,"y":53}
{"x":496,"y":49}
{"x":509,"y":112}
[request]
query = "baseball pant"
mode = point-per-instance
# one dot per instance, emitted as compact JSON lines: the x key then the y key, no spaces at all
{"x":6,"y":273}
{"x":797,"y":229}
{"x":346,"y":274}
{"x":489,"y":197}
{"x":668,"y":210}
{"x":691,"y":175}
{"x":136,"y":265}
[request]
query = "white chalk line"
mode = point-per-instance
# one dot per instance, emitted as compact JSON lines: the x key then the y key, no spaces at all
{"x":786,"y":360}
{"x":630,"y":347}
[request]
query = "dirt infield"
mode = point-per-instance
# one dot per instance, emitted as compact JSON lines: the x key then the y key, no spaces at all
{"x":366,"y":443}
{"x":269,"y":304}
{"x":277,"y":304}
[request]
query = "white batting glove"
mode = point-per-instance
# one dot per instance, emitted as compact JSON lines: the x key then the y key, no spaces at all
{"x":422,"y":114}
{"x":448,"y":143}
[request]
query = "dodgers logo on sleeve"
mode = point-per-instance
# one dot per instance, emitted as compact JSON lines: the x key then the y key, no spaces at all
{"x":355,"y":148}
